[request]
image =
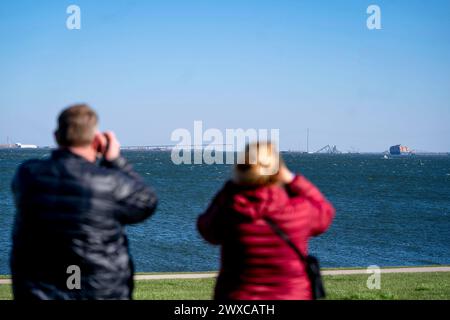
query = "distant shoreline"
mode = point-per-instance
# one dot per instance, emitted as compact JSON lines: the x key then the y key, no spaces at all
{"x":169,"y":149}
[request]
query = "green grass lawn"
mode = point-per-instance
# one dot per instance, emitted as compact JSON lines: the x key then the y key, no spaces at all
{"x":401,"y":286}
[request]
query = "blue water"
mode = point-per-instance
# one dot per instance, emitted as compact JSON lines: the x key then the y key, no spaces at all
{"x":389,"y":212}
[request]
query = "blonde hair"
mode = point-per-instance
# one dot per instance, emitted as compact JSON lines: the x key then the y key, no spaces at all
{"x":258,"y":165}
{"x":76,"y":126}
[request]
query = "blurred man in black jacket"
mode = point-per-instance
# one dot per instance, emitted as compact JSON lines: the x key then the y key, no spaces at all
{"x":71,"y":214}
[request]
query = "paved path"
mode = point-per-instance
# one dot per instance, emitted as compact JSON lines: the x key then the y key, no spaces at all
{"x":325,"y":272}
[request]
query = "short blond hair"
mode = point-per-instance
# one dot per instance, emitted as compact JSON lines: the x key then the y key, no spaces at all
{"x":76,"y":126}
{"x":260,"y":165}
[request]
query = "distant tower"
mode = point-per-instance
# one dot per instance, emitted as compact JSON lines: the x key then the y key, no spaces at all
{"x":307,"y":140}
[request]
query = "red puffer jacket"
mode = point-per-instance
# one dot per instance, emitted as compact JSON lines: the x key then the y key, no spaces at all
{"x":256,"y":263}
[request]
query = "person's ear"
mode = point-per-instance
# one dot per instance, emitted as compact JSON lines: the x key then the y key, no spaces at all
{"x":97,"y":142}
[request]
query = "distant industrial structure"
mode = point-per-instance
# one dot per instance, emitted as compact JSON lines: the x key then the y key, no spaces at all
{"x":329,"y":150}
{"x":10,"y":145}
{"x":307,"y":140}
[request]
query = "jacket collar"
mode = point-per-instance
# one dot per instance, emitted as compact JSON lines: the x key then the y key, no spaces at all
{"x":63,"y":153}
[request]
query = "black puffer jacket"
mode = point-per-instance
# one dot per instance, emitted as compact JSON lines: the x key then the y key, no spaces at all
{"x":73,"y":212}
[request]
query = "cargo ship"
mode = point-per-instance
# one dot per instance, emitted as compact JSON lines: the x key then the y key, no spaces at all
{"x":399,"y":150}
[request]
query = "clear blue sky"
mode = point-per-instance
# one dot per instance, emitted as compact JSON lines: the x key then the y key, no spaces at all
{"x":149,"y":67}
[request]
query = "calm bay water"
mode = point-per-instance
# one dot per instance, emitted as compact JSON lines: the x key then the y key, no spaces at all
{"x":389,"y":212}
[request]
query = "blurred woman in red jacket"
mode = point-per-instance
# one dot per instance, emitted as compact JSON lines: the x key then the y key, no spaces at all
{"x":255,"y":262}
